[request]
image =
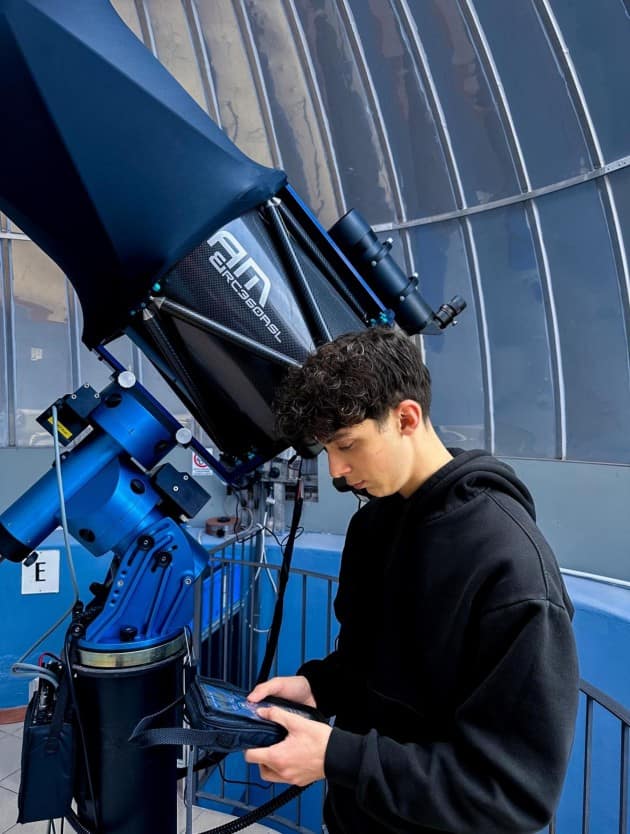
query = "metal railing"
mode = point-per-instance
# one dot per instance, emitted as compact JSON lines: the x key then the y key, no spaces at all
{"x":621,"y":717}
{"x":233,"y":610}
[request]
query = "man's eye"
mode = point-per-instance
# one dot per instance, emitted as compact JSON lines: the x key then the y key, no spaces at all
{"x":346,"y":448}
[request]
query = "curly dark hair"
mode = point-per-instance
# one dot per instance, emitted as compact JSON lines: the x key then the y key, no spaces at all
{"x":355,"y":377}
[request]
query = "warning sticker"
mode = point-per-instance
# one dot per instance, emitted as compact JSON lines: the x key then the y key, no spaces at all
{"x":199,"y":466}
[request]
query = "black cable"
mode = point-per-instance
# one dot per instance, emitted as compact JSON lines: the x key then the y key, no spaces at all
{"x":68,"y":663}
{"x":207,"y":761}
{"x":298,"y":533}
{"x":286,"y":548}
{"x":258,"y":813}
{"x":76,"y":823}
{"x":274,"y":631}
{"x":214,"y":758}
{"x":282,"y":542}
{"x":248,"y":783}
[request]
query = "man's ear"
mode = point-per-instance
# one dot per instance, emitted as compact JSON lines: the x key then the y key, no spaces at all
{"x":409,"y":416}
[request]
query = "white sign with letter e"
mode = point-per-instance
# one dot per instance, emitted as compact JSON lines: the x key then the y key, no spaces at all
{"x":42,"y":577}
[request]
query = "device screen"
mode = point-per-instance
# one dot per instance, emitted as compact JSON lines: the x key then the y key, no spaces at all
{"x":234,"y":703}
{"x":225,"y":700}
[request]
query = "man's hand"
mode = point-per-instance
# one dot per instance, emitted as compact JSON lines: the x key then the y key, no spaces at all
{"x":299,"y":758}
{"x":293,"y":688}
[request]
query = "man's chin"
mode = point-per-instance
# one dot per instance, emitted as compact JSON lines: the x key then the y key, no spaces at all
{"x":374,"y":491}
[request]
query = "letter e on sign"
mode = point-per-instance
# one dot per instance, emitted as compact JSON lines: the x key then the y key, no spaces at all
{"x":42,"y":577}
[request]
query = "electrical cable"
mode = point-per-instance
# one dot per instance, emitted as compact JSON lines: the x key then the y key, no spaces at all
{"x":29,"y":670}
{"x":75,"y":606}
{"x":76,"y":823}
{"x":48,"y":654}
{"x":247,"y":783}
{"x":267,"y":570}
{"x":62,"y":506}
{"x":283,"y":542}
{"x":283,"y":579}
{"x":75,"y":706}
{"x":19,"y":667}
{"x":272,"y":644}
{"x":258,"y":813}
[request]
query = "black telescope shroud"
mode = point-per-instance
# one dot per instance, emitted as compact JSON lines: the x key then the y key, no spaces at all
{"x":116,"y":173}
{"x":106,"y":162}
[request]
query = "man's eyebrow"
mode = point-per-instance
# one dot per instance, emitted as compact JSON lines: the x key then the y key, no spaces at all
{"x":340,"y":434}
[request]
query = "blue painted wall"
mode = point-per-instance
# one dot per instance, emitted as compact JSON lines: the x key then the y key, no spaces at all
{"x":26,"y":617}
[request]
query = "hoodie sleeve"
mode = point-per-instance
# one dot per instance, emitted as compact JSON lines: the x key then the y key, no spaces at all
{"x":329,"y":679}
{"x":503,"y":768}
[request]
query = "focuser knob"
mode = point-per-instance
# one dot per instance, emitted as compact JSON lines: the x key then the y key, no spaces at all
{"x":449,"y":310}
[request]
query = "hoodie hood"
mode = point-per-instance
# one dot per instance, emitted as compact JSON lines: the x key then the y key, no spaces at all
{"x":463,"y":478}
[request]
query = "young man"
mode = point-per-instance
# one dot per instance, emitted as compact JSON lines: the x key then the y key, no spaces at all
{"x":454,"y":683}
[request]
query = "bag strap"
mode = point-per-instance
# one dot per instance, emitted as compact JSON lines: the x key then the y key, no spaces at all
{"x":145,"y":736}
{"x":171,"y":735}
{"x":59,"y":715}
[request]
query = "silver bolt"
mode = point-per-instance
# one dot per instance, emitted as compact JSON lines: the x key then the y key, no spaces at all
{"x":187,"y":580}
{"x":183,"y":436}
{"x":126,"y":379}
{"x":120,"y":583}
{"x":175,"y":489}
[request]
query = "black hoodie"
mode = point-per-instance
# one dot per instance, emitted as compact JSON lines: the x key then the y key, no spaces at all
{"x":454,"y":682}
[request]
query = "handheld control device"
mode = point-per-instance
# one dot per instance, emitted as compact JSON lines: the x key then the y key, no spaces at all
{"x":232,"y":721}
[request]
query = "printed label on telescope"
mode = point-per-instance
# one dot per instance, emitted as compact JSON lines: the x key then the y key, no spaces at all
{"x":243,"y":275}
{"x":42,"y":577}
{"x":63,"y":431}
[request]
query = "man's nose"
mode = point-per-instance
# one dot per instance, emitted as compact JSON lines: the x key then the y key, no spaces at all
{"x":337,"y":466}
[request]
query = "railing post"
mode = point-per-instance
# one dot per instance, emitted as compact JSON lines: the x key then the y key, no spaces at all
{"x":623,"y":787}
{"x":588,"y":741}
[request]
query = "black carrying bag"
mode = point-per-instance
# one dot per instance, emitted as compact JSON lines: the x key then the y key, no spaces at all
{"x":47,"y":769}
{"x":220,"y":719}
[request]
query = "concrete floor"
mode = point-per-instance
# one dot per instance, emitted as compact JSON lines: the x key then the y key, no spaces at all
{"x":10,"y":749}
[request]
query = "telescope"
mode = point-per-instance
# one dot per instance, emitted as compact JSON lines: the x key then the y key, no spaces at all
{"x":220,"y":274}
